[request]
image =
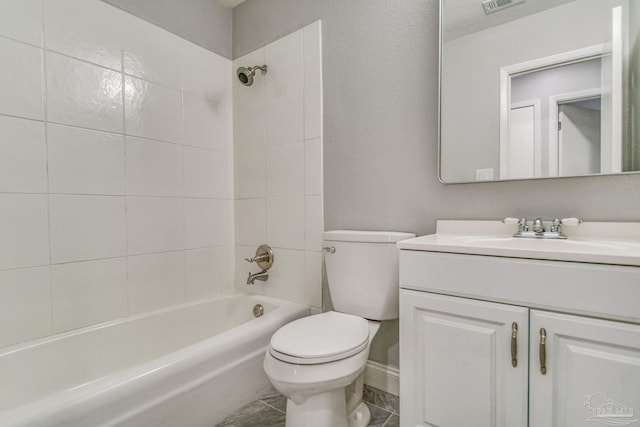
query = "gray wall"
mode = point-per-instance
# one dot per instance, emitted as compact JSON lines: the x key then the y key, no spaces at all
{"x":380,"y":129}
{"x":204,"y":22}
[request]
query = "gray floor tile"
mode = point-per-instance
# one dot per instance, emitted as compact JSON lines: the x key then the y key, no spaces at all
{"x":378,"y":415}
{"x":278,"y":401}
{"x":255,"y":414}
{"x":394,"y":421}
{"x":381,"y":399}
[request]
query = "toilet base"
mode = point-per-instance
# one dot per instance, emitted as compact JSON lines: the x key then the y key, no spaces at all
{"x":327,"y":409}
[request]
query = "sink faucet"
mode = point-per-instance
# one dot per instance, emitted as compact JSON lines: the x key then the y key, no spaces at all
{"x":538,"y":231}
{"x":262,"y":276}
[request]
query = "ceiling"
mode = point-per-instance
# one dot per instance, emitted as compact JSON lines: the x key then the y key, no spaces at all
{"x":463,"y":17}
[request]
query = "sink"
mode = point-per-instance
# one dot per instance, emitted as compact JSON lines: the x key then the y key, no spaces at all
{"x":546,"y":244}
{"x":600,"y":243}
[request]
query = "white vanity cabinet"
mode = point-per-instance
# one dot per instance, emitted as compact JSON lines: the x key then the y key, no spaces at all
{"x":457,"y":365}
{"x":465,"y":316}
{"x":456,"y":362}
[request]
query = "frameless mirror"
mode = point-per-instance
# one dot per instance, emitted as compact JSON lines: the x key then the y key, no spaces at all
{"x":538,"y":88}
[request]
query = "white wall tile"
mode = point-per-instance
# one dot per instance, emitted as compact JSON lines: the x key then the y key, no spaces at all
{"x":313,"y":166}
{"x":312,"y":81}
{"x":90,"y":292}
{"x":285,"y":170}
{"x":250,"y":218}
{"x":25,"y":305}
{"x":285,"y":119}
{"x":249,"y":125}
{"x":151,"y":53}
{"x":87,"y":227}
{"x":209,"y":271}
{"x":286,"y":66}
{"x":155,"y":280}
{"x":206,"y":222}
{"x":205,"y":173}
{"x":284,"y":95}
{"x":313,"y":278}
{"x":154,"y":168}
{"x":154,"y":224}
{"x":85,"y":29}
{"x":285,"y":222}
{"x":22,"y":20}
{"x":24,"y":231}
{"x":313,"y":223}
{"x":205,"y":73}
{"x":83,"y":161}
{"x":153,"y":111}
{"x":23,"y":156}
{"x":286,"y":277}
{"x":250,"y":174}
{"x":21,"y":80}
{"x":83,"y":94}
{"x":206,"y":121}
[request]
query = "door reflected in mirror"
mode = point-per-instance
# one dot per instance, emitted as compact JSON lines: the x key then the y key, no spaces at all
{"x":540,"y":89}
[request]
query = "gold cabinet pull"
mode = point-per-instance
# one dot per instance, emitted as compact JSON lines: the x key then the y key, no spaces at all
{"x":543,"y":351}
{"x":514,"y":344}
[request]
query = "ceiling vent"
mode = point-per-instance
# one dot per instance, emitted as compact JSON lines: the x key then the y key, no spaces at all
{"x":491,"y":6}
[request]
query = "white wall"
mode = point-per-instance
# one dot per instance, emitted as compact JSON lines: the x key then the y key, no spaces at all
{"x":471,"y":84}
{"x":278,"y":166}
{"x":115,"y":167}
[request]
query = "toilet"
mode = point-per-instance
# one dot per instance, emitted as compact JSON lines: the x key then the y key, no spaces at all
{"x":317,"y":362}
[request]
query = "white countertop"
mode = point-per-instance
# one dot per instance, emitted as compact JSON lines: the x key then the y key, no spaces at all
{"x":591,"y":242}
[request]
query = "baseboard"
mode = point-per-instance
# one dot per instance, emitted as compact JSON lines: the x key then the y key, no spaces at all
{"x":382,"y":377}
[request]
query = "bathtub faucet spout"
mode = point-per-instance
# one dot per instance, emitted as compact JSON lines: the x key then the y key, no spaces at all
{"x":262,"y":276}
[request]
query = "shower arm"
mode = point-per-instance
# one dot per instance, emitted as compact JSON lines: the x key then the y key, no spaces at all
{"x":262,"y":68}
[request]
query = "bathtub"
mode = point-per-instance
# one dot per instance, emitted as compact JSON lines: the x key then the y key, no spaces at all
{"x":187,"y":365}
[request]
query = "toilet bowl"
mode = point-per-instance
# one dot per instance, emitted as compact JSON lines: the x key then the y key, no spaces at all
{"x":318,"y":362}
{"x":314,"y":370}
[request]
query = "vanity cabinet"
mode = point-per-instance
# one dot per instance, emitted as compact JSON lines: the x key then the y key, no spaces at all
{"x":474,"y":363}
{"x":457,"y":365}
{"x":477,"y":329}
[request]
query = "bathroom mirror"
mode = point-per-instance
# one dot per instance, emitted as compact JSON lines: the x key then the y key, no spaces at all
{"x":538,"y":88}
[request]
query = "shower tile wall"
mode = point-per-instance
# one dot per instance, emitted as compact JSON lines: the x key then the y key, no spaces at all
{"x":116,"y":183}
{"x":278,"y":166}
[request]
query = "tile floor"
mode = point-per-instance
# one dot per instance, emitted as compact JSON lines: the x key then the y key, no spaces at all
{"x":269,"y":411}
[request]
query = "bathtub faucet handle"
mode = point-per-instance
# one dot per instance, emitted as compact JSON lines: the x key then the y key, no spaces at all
{"x":264,"y":257}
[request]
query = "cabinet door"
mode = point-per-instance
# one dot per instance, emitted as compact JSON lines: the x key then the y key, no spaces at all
{"x":455,"y":362}
{"x":592,"y":372}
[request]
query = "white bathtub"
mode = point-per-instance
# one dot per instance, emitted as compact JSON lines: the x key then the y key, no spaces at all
{"x":187,"y":365}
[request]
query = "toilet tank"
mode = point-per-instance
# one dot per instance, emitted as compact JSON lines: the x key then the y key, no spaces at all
{"x":362,"y":273}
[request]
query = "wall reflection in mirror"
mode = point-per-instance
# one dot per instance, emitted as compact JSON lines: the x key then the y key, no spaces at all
{"x":539,"y":88}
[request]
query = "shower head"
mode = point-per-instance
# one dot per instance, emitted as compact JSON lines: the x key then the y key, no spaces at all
{"x":245,"y":75}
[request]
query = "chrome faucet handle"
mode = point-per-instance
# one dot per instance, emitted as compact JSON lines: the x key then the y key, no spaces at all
{"x":521,"y":222}
{"x":538,"y":227}
{"x":571,"y":222}
{"x":555,"y":226}
{"x":510,"y":221}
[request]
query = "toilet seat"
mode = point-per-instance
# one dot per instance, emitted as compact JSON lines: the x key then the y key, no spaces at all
{"x":320,"y":338}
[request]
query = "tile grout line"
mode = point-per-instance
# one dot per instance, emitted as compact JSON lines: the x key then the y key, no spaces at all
{"x":271,"y":406}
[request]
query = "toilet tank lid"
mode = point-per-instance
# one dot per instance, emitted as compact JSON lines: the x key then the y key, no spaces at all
{"x":366,"y":236}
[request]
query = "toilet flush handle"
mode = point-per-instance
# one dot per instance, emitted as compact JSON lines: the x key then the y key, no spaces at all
{"x":330,"y":249}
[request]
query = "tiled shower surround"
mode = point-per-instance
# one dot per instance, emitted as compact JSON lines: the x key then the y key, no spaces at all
{"x":278,"y":166}
{"x":116,"y":180}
